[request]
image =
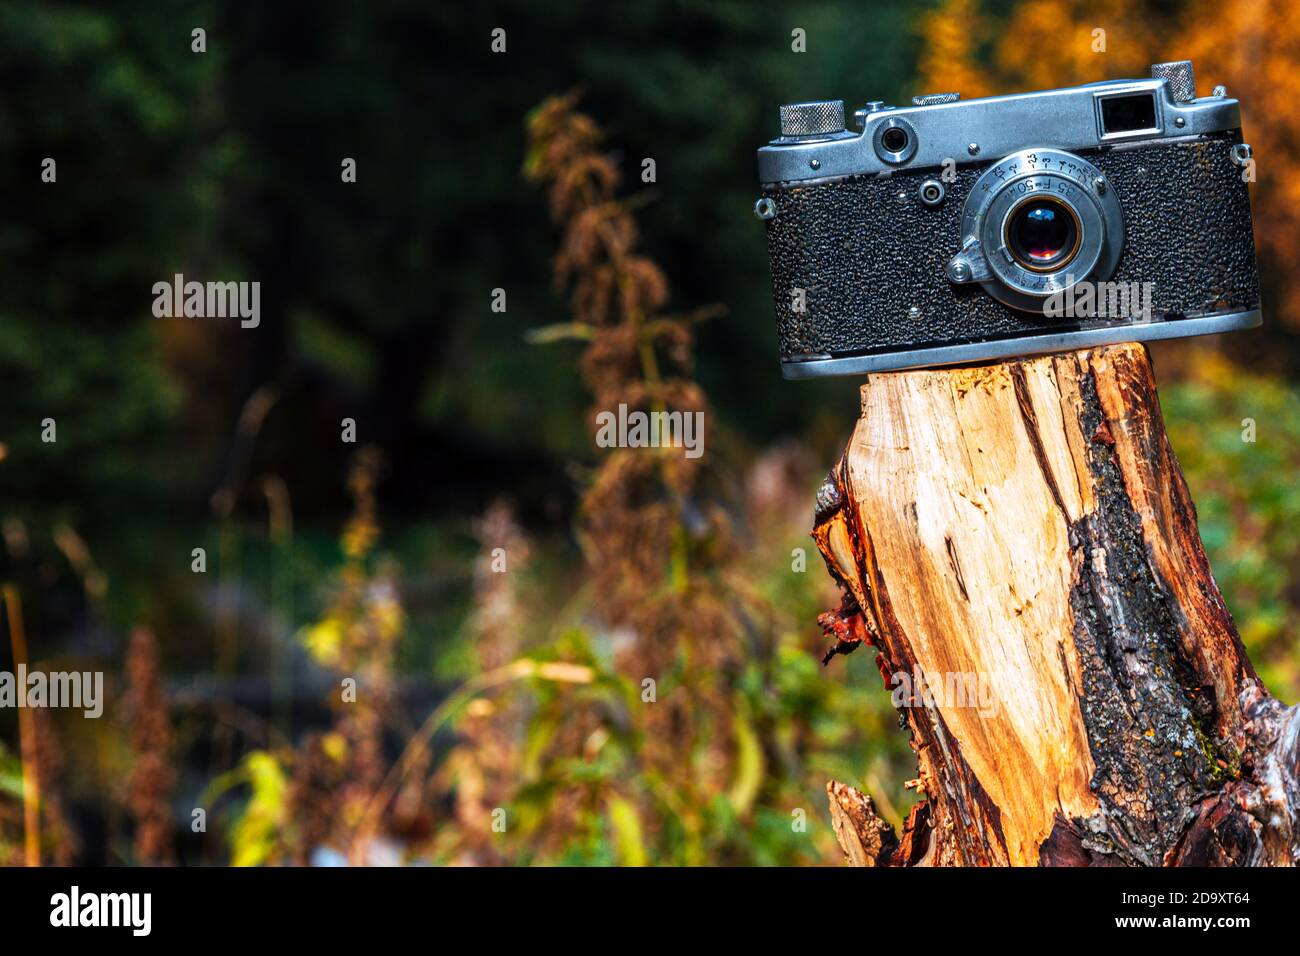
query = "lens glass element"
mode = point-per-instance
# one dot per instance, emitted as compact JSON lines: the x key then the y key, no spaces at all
{"x":1042,"y":234}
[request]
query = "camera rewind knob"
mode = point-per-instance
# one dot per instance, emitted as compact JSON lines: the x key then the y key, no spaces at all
{"x":1182,"y":80}
{"x":819,"y":118}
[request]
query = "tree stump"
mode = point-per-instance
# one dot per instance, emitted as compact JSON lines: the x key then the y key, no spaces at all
{"x":1017,"y":542}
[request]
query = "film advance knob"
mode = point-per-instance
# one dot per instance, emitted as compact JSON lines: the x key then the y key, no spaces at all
{"x":1182,"y":79}
{"x":820,"y":118}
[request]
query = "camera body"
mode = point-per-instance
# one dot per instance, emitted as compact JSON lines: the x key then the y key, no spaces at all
{"x":957,"y":231}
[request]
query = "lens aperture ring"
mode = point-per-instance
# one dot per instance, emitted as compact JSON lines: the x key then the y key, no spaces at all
{"x":1044,"y":179}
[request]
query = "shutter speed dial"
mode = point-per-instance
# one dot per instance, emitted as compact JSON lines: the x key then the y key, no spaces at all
{"x":811,"y":120}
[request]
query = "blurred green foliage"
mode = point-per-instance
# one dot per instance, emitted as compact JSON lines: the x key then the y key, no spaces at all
{"x":1237,"y":435}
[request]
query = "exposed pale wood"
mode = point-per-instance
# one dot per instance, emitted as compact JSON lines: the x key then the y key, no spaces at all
{"x":1025,"y":528}
{"x":861,"y":832}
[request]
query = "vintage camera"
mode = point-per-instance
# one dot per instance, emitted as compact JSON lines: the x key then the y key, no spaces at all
{"x":957,"y":231}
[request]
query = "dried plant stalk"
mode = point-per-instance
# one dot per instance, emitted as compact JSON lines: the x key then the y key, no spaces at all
{"x":26,"y":736}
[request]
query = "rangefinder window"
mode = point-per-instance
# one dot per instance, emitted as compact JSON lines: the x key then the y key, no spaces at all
{"x":1128,"y":114}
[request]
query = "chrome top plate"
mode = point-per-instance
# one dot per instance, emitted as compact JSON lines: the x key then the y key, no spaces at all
{"x":1067,"y":119}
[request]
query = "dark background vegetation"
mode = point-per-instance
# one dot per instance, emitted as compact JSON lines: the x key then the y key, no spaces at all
{"x":376,"y":306}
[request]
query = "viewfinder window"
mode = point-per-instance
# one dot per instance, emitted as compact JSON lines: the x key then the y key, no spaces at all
{"x":1127,"y":114}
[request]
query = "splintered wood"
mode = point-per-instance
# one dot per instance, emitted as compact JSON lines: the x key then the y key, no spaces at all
{"x":1018,"y":544}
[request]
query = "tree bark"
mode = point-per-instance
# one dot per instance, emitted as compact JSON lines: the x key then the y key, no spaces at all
{"x":1018,"y":544}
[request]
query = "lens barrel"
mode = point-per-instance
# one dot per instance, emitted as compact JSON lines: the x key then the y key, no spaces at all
{"x":1035,"y":223}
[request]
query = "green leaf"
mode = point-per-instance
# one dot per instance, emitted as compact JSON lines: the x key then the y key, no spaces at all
{"x":256,"y":833}
{"x":559,"y":332}
{"x":626,"y":823}
{"x":749,"y":765}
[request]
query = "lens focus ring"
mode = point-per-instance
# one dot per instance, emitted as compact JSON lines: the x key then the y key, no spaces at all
{"x":1034,"y":225}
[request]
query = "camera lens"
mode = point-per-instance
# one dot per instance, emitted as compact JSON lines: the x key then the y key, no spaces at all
{"x":1042,"y":234}
{"x":894,"y":140}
